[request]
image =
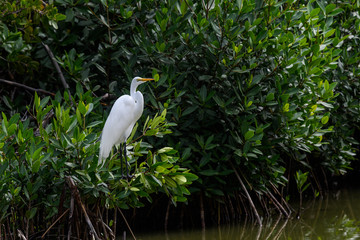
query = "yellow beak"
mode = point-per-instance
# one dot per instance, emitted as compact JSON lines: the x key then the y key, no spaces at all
{"x":146,"y":79}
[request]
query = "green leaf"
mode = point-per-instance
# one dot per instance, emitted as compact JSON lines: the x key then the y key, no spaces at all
{"x":72,"y":125}
{"x":314,"y":12}
{"x":156,"y":180}
{"x":44,"y":101}
{"x":321,"y":5}
{"x":89,"y":108}
{"x":93,"y":124}
{"x":315,"y":70}
{"x":31,"y":213}
{"x":216,"y":191}
{"x":286,"y":107}
{"x":249,"y":104}
{"x":249,"y":134}
{"x":16,"y":191}
{"x":257,"y":21}
{"x":36,"y":166}
{"x":219,"y":101}
{"x":7,"y":102}
{"x":190,"y":177}
{"x":129,"y":14}
{"x":183,"y":7}
{"x":36,"y":101}
{"x":60,"y":17}
{"x":203,"y":93}
{"x":324,"y":119}
{"x":261,"y":36}
{"x":313,"y":108}
{"x":209,"y":172}
{"x":166,"y":150}
{"x":99,"y":67}
{"x":330,"y":7}
{"x":180,"y":179}
{"x":336,"y":12}
{"x":326,"y":85}
{"x":170,"y":182}
{"x":270,"y":97}
{"x":332,"y":86}
{"x":78,"y":116}
{"x":239,"y":4}
{"x":82,"y":108}
{"x":67,"y":139}
{"x":256,"y":79}
{"x":189,"y":110}
{"x":325,"y":104}
{"x":156,"y":77}
{"x":330,"y":33}
{"x":36,"y":154}
{"x":134,"y":189}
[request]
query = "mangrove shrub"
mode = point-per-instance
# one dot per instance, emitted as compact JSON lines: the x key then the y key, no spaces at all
{"x":261,"y":92}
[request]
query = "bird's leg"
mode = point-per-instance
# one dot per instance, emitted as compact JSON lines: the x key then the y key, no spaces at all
{"x":121,"y":160}
{"x":126,"y":163}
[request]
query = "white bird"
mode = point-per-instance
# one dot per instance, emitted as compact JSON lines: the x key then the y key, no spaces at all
{"x":123,"y":115}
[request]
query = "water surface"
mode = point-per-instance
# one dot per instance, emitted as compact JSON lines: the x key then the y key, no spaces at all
{"x":336,"y":216}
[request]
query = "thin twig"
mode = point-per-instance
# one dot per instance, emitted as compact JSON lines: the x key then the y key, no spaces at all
{"x":76,"y":194}
{"x":103,"y":22}
{"x":56,"y":65}
{"x":276,"y":203}
{"x":167,"y":215}
{"x":273,"y":228}
{"x":47,"y":230}
{"x":102,"y":223}
{"x":247,"y":194}
{"x":71,"y":220}
{"x":4,"y":14}
{"x":282,"y":199}
{"x":27,"y":87}
{"x":21,"y":235}
{"x":61,"y":75}
{"x":281,"y":229}
{"x":8,"y":229}
{"x":112,"y":236}
{"x":202,"y":212}
{"x":115,"y":222}
{"x":127,"y":224}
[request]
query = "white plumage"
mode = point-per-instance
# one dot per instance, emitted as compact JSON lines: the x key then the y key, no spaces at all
{"x":123,"y":115}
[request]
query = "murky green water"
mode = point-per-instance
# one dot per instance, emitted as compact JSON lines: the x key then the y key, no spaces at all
{"x":334,"y":217}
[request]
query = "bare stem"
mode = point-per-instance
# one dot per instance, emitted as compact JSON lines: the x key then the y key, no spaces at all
{"x":247,"y":194}
{"x":127,"y":224}
{"x":27,"y":87}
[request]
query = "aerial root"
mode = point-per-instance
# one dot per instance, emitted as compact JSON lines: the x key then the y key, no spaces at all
{"x":247,"y":195}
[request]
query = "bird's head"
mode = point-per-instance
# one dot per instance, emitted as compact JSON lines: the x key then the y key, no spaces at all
{"x":137,"y":81}
{"x":142,"y":80}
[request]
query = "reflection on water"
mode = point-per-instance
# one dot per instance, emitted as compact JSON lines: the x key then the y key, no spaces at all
{"x":334,"y":217}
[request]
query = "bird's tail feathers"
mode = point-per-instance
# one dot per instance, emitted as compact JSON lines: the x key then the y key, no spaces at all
{"x":103,"y":153}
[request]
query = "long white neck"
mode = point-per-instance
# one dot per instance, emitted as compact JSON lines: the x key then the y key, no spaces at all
{"x":133,"y":86}
{"x":138,"y":97}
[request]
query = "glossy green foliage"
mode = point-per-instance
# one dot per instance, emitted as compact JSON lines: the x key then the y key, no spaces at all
{"x":21,"y":25}
{"x":269,"y":86}
{"x":301,"y":179}
{"x":36,"y":159}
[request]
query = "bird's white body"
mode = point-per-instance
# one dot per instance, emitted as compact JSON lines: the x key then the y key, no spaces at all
{"x":126,"y":110}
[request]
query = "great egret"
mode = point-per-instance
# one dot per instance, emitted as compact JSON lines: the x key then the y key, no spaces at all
{"x":121,"y":120}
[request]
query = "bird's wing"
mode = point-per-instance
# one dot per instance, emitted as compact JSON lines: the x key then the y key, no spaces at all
{"x":120,"y":118}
